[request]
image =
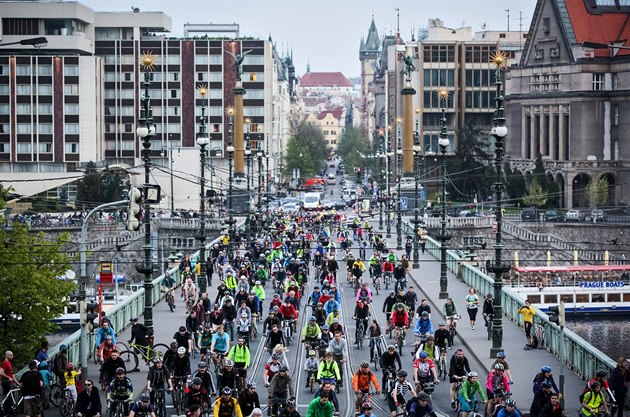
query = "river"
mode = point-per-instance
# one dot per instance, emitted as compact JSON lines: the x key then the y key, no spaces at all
{"x":610,"y":335}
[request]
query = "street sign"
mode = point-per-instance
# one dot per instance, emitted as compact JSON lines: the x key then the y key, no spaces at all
{"x":404,"y":204}
{"x":423,"y":195}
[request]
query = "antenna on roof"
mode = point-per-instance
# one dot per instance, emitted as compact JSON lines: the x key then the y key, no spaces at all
{"x":397,"y":20}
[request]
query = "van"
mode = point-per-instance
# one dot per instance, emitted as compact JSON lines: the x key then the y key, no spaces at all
{"x":312,"y":201}
{"x":349,"y":194}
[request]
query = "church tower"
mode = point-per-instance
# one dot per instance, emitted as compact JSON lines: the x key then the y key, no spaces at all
{"x":368,"y":55}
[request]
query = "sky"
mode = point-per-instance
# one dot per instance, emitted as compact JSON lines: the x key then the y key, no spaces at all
{"x":327,"y":33}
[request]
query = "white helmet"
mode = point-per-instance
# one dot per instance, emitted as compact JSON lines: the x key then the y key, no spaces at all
{"x":181,"y":350}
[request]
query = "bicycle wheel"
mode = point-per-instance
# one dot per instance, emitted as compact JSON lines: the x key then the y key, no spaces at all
{"x":160,"y":350}
{"x":66,"y":406}
{"x":489,"y":329}
{"x":95,"y":355}
{"x":401,"y":341}
{"x":359,"y":336}
{"x":131,"y":360}
{"x":56,"y":394}
{"x":122,"y":346}
{"x":176,"y":401}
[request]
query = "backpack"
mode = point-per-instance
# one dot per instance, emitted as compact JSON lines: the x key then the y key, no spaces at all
{"x":534,"y":342}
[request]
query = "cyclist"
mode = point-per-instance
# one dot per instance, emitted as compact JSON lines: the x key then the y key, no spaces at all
{"x":280,"y":389}
{"x":271,"y":319}
{"x":420,"y":407}
{"x":399,"y":277}
{"x":497,"y":381}
{"x":244,"y":328}
{"x":423,"y":325}
{"x":220,"y":343}
{"x":362,"y":379}
{"x":229,"y":316}
{"x":290,"y":410}
{"x":288,"y":312}
{"x":361,"y":314}
{"x":600,"y":376}
{"x":170,"y":355}
{"x":120,"y":390}
{"x":501,"y":359}
{"x":544,"y":375}
{"x":541,"y":398}
{"x":358,"y":267}
{"x":466,"y":394}
{"x":397,"y":396}
{"x":429,"y":348}
{"x":388,"y":305}
{"x":106,"y":348}
{"x":458,"y":370}
{"x":184,"y":339}
{"x":364,"y":293}
{"x":338,"y":346}
{"x":442,"y":337}
{"x":142,"y":408}
{"x":248,"y":399}
{"x":324,"y":340}
{"x":329,"y":370}
{"x":216,"y":317}
{"x":320,"y":406}
{"x":509,"y":410}
{"x":487,"y":311}
{"x":366,"y":410}
{"x":271,"y":368}
{"x":275,"y":338}
{"x":374,"y":334}
{"x":205,"y":340}
{"x":109,"y":368}
{"x":311,"y":366}
{"x":206,"y":379}
{"x":227,"y":376}
{"x":104,"y":331}
{"x":196,"y":395}
{"x":388,"y":269}
{"x":240,"y":354}
{"x":553,"y":407}
{"x":388,"y":362}
{"x":423,"y":369}
{"x":158,"y":378}
{"x":400,"y":320}
{"x":450,"y":313}
{"x":594,"y":401}
{"x":180,"y":367}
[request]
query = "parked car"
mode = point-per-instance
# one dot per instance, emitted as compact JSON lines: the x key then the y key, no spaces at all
{"x":551,"y":216}
{"x":598,"y":215}
{"x":528,"y":214}
{"x":574,"y":215}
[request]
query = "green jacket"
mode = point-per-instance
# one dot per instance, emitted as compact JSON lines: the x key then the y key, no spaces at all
{"x":468,"y":390}
{"x":238,"y":354}
{"x":259,"y":290}
{"x":316,"y":409}
{"x":311,"y":331}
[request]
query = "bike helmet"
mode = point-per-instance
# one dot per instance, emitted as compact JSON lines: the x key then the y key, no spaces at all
{"x":499,"y":367}
{"x":365,"y":364}
{"x":69,"y":366}
{"x":251,"y":384}
{"x":63,"y":348}
{"x":401,"y":373}
{"x":325,"y":327}
{"x":202,"y":365}
{"x":423,"y":396}
{"x":311,"y":353}
{"x":197,"y":381}
{"x":282,"y":368}
{"x":366,"y":406}
{"x":442,"y":324}
{"x":181,"y":350}
{"x":173,"y":345}
{"x":228,"y":363}
{"x":595,"y":384}
{"x":312,"y":318}
{"x":424,"y":355}
{"x":501,"y":355}
{"x":275,"y":357}
{"x":391,"y":347}
{"x":109,"y":337}
{"x":145,"y":398}
{"x":120,"y":371}
{"x":226,"y":391}
{"x":243,"y":314}
{"x":472,"y":375}
{"x":545,"y":368}
{"x":290,"y":403}
{"x":157,"y":359}
{"x":510,"y":403}
{"x":400,"y":305}
{"x":545,"y":384}
{"x":425,"y":314}
{"x":392,"y":293}
{"x":600,"y":374}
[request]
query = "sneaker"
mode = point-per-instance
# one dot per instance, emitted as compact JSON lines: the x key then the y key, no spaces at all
{"x":453,"y":404}
{"x":472,"y":327}
{"x":404,"y":343}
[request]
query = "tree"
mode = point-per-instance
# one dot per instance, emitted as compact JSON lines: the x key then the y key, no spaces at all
{"x":466,"y":171}
{"x":306,"y":140}
{"x":353,"y":147}
{"x":549,"y":187}
{"x":597,"y":191}
{"x":515,"y":181}
{"x":89,"y":190}
{"x":536,"y":196}
{"x":32,"y":294}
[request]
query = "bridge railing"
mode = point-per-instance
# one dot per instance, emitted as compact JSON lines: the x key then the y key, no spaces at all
{"x":458,"y":222}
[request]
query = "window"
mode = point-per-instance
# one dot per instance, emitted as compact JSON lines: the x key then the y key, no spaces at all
{"x":72,"y":147}
{"x":215,"y":76}
{"x":4,"y":89}
{"x":45,"y":70}
{"x":616,"y":115}
{"x":5,"y":148}
{"x":71,"y":70}
{"x":23,"y":128}
{"x":4,"y":70}
{"x":598,"y":81}
{"x":155,"y":93}
{"x":4,"y":128}
{"x":172,"y":76}
{"x":172,"y":59}
{"x":216,"y":94}
{"x":254,"y":60}
{"x":254,"y":111}
{"x":24,"y":147}
{"x":22,"y":70}
{"x":45,"y":128}
{"x":216,"y":111}
{"x":546,"y":25}
{"x":71,"y":108}
{"x":23,"y":109}
{"x":128,"y":128}
{"x":44,"y":89}
{"x":72,"y":128}
{"x":126,"y":93}
{"x":23,"y":89}
{"x":4,"y":108}
{"x":201,"y":59}
{"x":174,"y":111}
{"x":615,"y":81}
{"x":127,"y":111}
{"x":110,"y":94}
{"x":174,"y":93}
{"x":202,"y":76}
{"x":174,"y":128}
{"x":255,"y":94}
{"x":156,"y":76}
{"x":71,"y":89}
{"x":127,"y":76}
{"x":45,"y":147}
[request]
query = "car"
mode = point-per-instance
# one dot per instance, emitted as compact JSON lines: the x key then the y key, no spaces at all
{"x":528,"y":214}
{"x":551,"y":216}
{"x":573,"y":215}
{"x":290,"y":207}
{"x":598,"y":215}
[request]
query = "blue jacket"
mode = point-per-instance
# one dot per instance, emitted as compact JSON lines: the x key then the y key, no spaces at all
{"x":331,"y":305}
{"x":101,"y":335}
{"x":423,"y":326}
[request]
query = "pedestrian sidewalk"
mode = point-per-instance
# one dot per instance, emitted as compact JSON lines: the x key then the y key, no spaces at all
{"x":524,"y":364}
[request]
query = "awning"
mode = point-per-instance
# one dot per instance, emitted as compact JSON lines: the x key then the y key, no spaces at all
{"x":27,"y":184}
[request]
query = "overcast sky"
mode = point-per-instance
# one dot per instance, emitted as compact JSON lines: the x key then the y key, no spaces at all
{"x":328,"y":32}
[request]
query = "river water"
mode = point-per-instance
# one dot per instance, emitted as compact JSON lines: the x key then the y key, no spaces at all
{"x":610,"y":335}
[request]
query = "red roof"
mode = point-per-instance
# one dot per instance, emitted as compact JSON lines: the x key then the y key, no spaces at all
{"x":606,"y":27}
{"x":324,"y":79}
{"x":336,"y":113}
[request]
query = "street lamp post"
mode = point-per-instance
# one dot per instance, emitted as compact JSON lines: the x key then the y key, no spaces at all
{"x":37,"y":43}
{"x":499,"y":267}
{"x":388,"y":173}
{"x":248,"y":155}
{"x":399,"y":153}
{"x":416,"y":211}
{"x":444,"y":234}
{"x":230,"y":111}
{"x":267,"y":172}
{"x":381,"y":155}
{"x":260,"y":153}
{"x":202,"y":140}
{"x":146,"y":130}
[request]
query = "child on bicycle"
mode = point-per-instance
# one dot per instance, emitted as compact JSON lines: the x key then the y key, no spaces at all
{"x":311,"y":366}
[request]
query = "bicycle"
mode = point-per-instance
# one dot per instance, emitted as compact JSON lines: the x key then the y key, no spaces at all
{"x":118,"y":407}
{"x":442,"y":370}
{"x":56,"y":394}
{"x":312,"y":379}
{"x":160,"y":403}
{"x":178,"y":393}
{"x":387,"y":279}
{"x":376,"y":284}
{"x":12,"y":404}
{"x":389,"y":380}
{"x":474,"y":410}
{"x":148,"y":353}
{"x":452,"y":325}
{"x":489,"y":326}
{"x":66,"y":403}
{"x":376,"y":350}
{"x":400,"y":338}
{"x":500,"y":396}
{"x":170,"y":300}
{"x":360,"y":333}
{"x":458,"y":386}
{"x":287,"y":329}
{"x":228,"y":326}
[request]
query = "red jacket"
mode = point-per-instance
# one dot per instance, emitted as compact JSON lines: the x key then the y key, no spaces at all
{"x":288,"y":312}
{"x":397,"y":320}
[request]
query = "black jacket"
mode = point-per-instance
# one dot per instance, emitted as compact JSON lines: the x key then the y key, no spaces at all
{"x":89,"y":404}
{"x":458,"y":367}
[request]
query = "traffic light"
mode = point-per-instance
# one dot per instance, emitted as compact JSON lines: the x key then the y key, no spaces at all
{"x":135,"y":208}
{"x":556,"y":314}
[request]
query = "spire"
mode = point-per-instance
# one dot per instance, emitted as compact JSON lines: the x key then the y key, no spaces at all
{"x":372,"y":42}
{"x":269,"y":39}
{"x":308,"y":65}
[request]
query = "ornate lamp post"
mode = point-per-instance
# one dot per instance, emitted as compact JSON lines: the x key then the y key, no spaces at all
{"x":381,"y":155}
{"x":146,"y":130}
{"x":202,"y":140}
{"x":416,"y":211}
{"x":388,"y":173}
{"x":444,"y":235}
{"x":399,"y":153}
{"x":230,"y":111}
{"x":261,"y":186}
{"x":499,"y":267}
{"x":248,"y":155}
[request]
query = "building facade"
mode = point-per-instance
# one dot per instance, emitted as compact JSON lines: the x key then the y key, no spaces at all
{"x":332,"y":123}
{"x":568,"y":103}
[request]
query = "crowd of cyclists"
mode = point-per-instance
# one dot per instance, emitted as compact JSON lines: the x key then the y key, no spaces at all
{"x":287,"y":266}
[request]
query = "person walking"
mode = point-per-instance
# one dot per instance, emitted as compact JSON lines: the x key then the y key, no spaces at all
{"x":618,"y":381}
{"x":472,"y":306}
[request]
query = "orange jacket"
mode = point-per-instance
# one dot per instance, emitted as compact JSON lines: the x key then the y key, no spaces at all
{"x":361,"y":381}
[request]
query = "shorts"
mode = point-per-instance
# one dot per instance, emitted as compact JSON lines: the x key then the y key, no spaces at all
{"x":489,"y":394}
{"x":528,"y":329}
{"x":392,"y":405}
{"x":33,"y":407}
{"x":466,"y":406}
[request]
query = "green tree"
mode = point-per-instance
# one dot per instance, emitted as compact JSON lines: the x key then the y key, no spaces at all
{"x":89,"y":188}
{"x":467,"y":173}
{"x":112,"y":184}
{"x":353,"y":147}
{"x":536,"y":196}
{"x":32,"y":294}
{"x":597,"y":191}
{"x":308,"y":141}
{"x":515,"y":182}
{"x":549,"y":187}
